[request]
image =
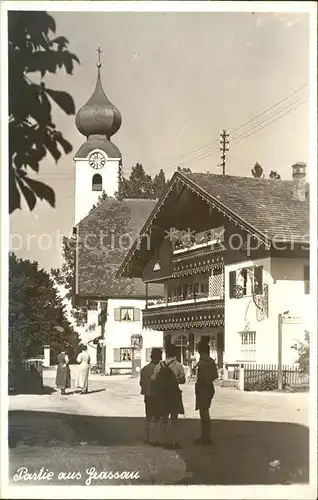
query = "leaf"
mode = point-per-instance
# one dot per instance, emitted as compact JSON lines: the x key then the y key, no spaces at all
{"x":28,"y":194}
{"x":63,"y":100}
{"x":61,"y":41}
{"x":52,"y":147}
{"x":42,"y":191}
{"x":67,"y":146}
{"x":14,"y":194}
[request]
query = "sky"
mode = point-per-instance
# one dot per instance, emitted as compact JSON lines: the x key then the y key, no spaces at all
{"x":178,"y":79}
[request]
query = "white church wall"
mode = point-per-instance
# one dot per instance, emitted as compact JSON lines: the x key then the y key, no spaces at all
{"x":85,"y":197}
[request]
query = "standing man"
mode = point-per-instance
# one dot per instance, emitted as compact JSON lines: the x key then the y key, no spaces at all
{"x":167,"y":376}
{"x":151,"y":406}
{"x":204,"y":391}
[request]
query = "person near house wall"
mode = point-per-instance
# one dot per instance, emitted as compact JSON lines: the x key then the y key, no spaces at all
{"x":151,"y":403}
{"x":204,"y":391}
{"x":83,"y":370}
{"x":63,"y":373}
{"x":170,"y":398}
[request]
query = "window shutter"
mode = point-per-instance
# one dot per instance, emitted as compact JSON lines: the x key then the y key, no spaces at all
{"x":136,"y":314}
{"x":117,"y":314}
{"x":117,"y":354}
{"x":148,"y":352}
{"x":232,"y":277}
{"x":258,"y":280}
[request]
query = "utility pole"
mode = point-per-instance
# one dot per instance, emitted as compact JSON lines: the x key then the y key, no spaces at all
{"x":224,"y":141}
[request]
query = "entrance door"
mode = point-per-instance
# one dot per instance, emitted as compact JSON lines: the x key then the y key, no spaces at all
{"x":181,"y":344}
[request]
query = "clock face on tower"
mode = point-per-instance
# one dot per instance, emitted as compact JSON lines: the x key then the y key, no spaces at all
{"x":96,"y":160}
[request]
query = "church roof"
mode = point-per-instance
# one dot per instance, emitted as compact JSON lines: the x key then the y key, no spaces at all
{"x":98,"y":142}
{"x":98,"y":115}
{"x":98,"y":120}
{"x":103,"y":242}
{"x":264,"y":208}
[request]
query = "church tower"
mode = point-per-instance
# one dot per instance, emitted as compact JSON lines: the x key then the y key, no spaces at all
{"x":98,"y":160}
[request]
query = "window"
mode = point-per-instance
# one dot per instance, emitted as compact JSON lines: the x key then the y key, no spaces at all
{"x":181,"y":341}
{"x":248,"y":346}
{"x":126,"y":314}
{"x":306,"y":280}
{"x":122,"y":354}
{"x":97,"y":183}
{"x":250,"y":279}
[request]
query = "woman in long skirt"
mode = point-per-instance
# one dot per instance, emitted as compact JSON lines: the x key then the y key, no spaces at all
{"x":63,"y":373}
{"x":82,"y":374}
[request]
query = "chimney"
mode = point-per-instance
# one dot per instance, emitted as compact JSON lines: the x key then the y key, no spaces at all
{"x":299,"y":184}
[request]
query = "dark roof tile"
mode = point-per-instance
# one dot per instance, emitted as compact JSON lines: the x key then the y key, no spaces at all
{"x":265,"y":204}
{"x":97,"y":266}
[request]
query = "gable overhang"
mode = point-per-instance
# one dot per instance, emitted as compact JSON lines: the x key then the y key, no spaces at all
{"x":179,"y":177}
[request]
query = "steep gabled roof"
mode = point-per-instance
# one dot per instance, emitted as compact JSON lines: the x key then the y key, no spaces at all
{"x":96,"y":266}
{"x":265,"y":204}
{"x":264,"y":207}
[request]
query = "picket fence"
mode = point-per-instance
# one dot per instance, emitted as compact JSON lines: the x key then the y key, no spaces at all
{"x":292,"y":376}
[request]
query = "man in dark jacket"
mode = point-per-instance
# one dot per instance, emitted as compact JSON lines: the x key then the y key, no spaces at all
{"x":151,"y":404}
{"x":204,"y":391}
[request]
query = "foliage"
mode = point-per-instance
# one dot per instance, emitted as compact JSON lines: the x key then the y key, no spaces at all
{"x":159,"y":184}
{"x":96,"y":253}
{"x":186,"y":170}
{"x":141,"y":185}
{"x":303,"y":353}
{"x":102,"y":197}
{"x":138,"y":185}
{"x":268,"y":382}
{"x":274,"y":175}
{"x":37,"y":315}
{"x":257,"y":171}
{"x":33,"y":48}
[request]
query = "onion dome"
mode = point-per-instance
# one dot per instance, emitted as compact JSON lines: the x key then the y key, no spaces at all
{"x":98,"y":116}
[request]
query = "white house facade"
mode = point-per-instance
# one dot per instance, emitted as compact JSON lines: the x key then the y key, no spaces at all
{"x":233,"y":254}
{"x":251,"y":321}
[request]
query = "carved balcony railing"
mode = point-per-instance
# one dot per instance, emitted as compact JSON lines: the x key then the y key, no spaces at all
{"x":185,"y":315}
{"x":214,"y":291}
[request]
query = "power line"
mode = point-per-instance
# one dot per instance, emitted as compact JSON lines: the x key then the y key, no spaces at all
{"x":253,"y":127}
{"x":273,"y":121}
{"x":263,"y":120}
{"x":244,"y":124}
{"x":252,"y":131}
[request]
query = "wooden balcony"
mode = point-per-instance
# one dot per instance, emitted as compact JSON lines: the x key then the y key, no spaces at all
{"x":193,"y":313}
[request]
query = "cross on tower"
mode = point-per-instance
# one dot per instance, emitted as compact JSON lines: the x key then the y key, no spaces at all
{"x":99,"y":51}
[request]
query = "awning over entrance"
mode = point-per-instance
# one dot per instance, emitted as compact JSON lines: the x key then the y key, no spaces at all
{"x":210,"y":313}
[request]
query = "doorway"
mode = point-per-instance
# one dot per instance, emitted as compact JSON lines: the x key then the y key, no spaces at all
{"x":181,"y":344}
